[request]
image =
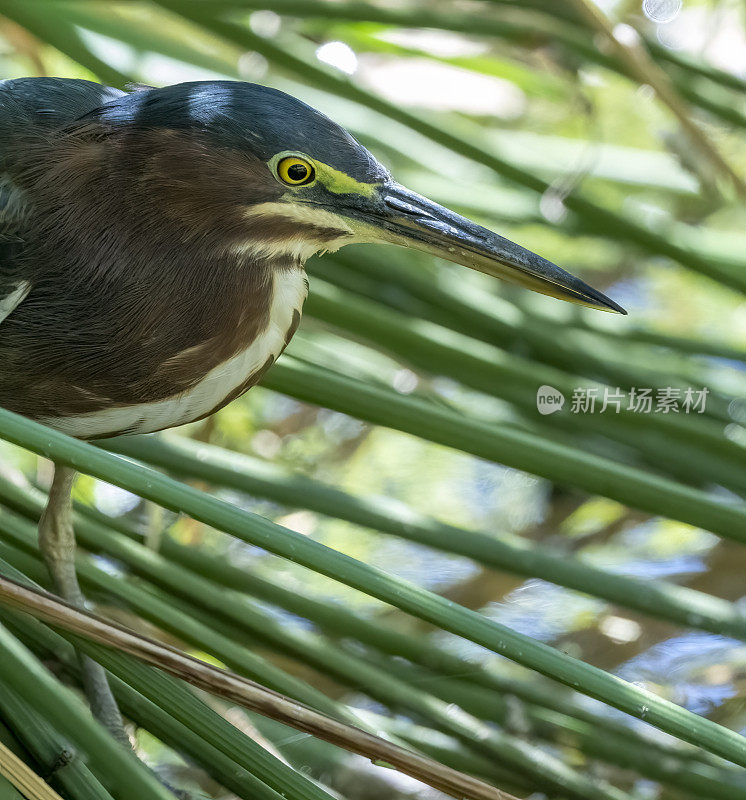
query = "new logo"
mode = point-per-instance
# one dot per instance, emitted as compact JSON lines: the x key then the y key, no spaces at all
{"x":549,"y":400}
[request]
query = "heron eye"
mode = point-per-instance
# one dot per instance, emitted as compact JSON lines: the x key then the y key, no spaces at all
{"x":295,"y":171}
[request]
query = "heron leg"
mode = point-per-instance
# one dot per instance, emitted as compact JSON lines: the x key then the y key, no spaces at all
{"x":57,"y":545}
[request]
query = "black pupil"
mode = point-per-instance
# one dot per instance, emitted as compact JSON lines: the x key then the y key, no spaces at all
{"x":297,"y":172}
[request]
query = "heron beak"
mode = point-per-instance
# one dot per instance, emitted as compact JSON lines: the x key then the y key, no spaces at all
{"x":406,"y":218}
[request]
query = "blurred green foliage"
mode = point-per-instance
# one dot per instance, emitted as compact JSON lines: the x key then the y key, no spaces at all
{"x":401,"y":426}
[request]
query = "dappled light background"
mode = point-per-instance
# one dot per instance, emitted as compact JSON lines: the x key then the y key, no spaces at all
{"x":518,"y":108}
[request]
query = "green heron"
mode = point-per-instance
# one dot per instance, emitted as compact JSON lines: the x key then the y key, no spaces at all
{"x":153,"y":244}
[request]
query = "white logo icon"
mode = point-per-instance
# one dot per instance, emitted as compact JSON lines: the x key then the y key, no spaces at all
{"x":549,"y":399}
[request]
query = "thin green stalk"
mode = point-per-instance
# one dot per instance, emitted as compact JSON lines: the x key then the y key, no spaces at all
{"x":510,"y":446}
{"x":561,"y":10}
{"x":118,"y":769}
{"x":64,"y":769}
{"x":718,"y":104}
{"x":643,"y":69}
{"x":172,"y":697}
{"x":138,"y":33}
{"x":466,"y":309}
{"x":195,"y":739}
{"x":200,"y":750}
{"x":402,"y":594}
{"x":147,"y":715}
{"x":700,"y":780}
{"x":672,"y":442}
{"x":324,"y":759}
{"x":448,"y":750}
{"x":186,"y":458}
{"x":218,"y":571}
{"x":20,"y":533}
{"x":308,"y":648}
{"x":337,"y":621}
{"x":353,"y":671}
{"x":528,"y":760}
{"x":170,"y":694}
{"x":554,"y":728}
{"x":208,"y":638}
{"x":686,"y":61}
{"x":513,"y":28}
{"x":417,"y":692}
{"x":681,"y":344}
{"x":166,"y":615}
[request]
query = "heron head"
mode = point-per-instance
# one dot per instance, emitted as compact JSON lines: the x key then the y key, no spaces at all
{"x":310,"y":186}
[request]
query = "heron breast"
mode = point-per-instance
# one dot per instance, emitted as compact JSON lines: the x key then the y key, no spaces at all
{"x":219,"y":386}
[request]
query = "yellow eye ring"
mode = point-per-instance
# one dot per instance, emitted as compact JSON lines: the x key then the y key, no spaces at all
{"x":295,"y":171}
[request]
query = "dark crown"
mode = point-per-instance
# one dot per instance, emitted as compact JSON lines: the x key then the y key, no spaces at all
{"x":242,"y":116}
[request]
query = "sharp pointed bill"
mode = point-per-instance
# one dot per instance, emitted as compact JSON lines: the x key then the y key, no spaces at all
{"x":420,"y":223}
{"x":397,"y":215}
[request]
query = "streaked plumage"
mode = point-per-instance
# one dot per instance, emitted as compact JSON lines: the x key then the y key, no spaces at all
{"x":151,"y":258}
{"x":145,"y":293}
{"x":151,"y":253}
